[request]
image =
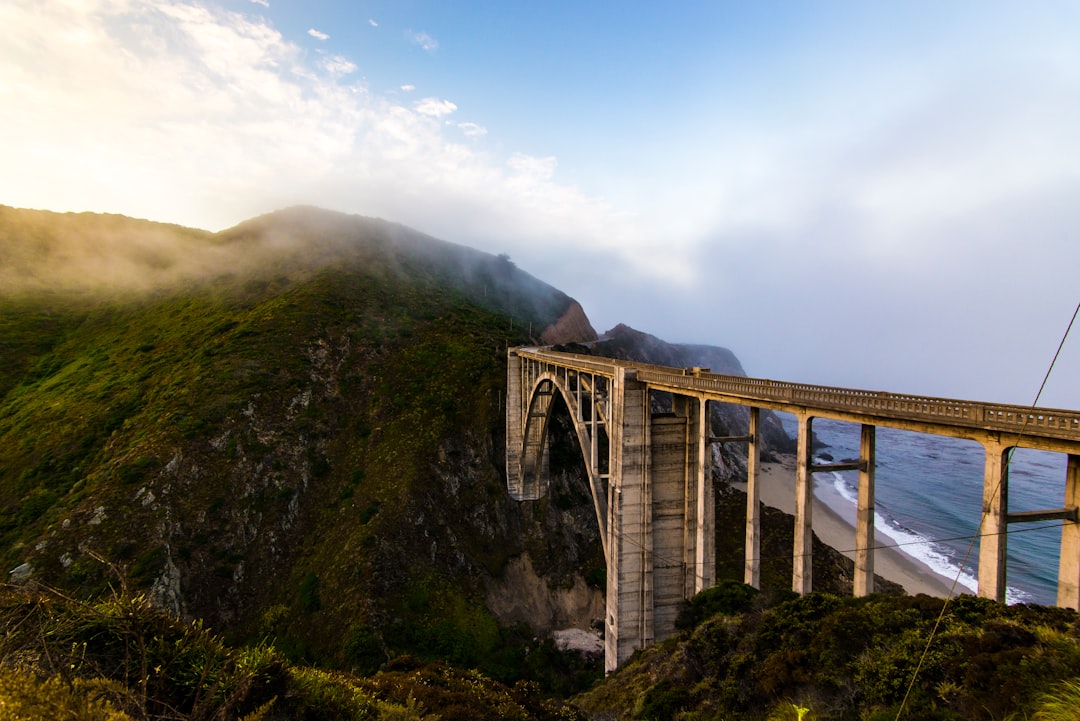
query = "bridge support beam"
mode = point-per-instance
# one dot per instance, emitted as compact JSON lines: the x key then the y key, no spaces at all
{"x":995,"y":509}
{"x":679,"y":489}
{"x":516,"y":403}
{"x":802,"y":559}
{"x":628,"y":622}
{"x":752,"y":563}
{"x":704,"y":521}
{"x":1069,"y":566}
{"x":864,"y":523}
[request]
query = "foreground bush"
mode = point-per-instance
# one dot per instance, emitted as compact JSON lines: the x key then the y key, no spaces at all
{"x":825,"y":657}
{"x":119,"y":658}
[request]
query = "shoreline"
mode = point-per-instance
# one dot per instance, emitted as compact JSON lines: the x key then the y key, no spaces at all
{"x":777,"y":484}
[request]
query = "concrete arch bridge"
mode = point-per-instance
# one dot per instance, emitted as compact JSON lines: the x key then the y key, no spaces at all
{"x":652,"y":489}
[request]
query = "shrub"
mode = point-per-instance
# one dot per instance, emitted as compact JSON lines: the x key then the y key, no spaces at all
{"x":661,"y":701}
{"x":309,"y":592}
{"x":728,"y":597}
{"x":1062,"y":704}
{"x":24,"y":696}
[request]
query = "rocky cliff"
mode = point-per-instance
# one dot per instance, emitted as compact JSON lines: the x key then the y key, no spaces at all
{"x":573,"y":326}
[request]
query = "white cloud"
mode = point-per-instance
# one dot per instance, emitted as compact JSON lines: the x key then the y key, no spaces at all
{"x":264,"y":3}
{"x":408,"y":88}
{"x":472,"y":130}
{"x":541,"y":168}
{"x":338,"y":65}
{"x":434,"y":107}
{"x":423,"y":40}
{"x":318,"y":35}
{"x":188,"y":113}
{"x":372,"y":23}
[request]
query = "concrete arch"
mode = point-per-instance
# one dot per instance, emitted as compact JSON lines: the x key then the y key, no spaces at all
{"x":650,"y":486}
{"x":534,"y":453}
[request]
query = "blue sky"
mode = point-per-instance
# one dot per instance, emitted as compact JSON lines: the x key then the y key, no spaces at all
{"x":875,"y":195}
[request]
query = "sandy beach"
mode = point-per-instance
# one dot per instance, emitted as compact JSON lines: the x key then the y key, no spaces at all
{"x":777,"y":483}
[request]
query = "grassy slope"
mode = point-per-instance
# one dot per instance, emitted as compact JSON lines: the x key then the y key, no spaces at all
{"x":308,"y":453}
{"x":118,"y":658}
{"x":847,"y":658}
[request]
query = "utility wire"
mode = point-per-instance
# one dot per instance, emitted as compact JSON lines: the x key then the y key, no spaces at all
{"x":985,"y":514}
{"x":667,"y":562}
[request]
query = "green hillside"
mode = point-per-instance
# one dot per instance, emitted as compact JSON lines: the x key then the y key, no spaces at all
{"x":307,"y":451}
{"x":775,"y":657}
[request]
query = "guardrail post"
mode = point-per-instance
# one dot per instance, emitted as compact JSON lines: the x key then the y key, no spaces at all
{"x":1068,"y":594}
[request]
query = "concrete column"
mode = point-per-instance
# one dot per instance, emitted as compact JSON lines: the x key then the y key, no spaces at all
{"x":992,"y":544}
{"x":515,"y":404}
{"x":705,"y":533}
{"x":864,"y":528}
{"x":1069,"y":565}
{"x":802,"y":561}
{"x":629,"y":611}
{"x":752,"y":568}
{"x":670,"y":477}
{"x":683,"y":407}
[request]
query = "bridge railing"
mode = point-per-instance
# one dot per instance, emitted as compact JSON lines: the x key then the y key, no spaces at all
{"x":1045,"y":422}
{"x":573,"y":361}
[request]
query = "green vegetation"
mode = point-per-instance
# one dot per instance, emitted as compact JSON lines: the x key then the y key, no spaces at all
{"x":1060,"y":704}
{"x":285,"y":447}
{"x":119,"y":658}
{"x":826,"y":657}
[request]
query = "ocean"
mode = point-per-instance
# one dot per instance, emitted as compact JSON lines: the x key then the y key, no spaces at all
{"x":929,"y":499}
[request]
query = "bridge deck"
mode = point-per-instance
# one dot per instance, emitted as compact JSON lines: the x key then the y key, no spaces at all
{"x":654,"y":501}
{"x":1043,"y":428}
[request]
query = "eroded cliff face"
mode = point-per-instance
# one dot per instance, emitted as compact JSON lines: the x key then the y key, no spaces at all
{"x":523,"y":596}
{"x":573,"y":326}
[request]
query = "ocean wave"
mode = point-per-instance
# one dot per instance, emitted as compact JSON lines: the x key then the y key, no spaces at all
{"x":925,"y":550}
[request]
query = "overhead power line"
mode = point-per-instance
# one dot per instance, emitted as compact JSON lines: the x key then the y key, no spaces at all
{"x":982,"y":520}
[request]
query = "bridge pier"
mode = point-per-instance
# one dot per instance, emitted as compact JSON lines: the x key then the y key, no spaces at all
{"x":1069,"y":566}
{"x":515,"y":402}
{"x":752,"y":564}
{"x":628,"y":622}
{"x":995,"y":510}
{"x":864,"y":520}
{"x":699,"y":486}
{"x":803,"y":558}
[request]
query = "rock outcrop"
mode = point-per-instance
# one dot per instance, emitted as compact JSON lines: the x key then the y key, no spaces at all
{"x":572,"y":327}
